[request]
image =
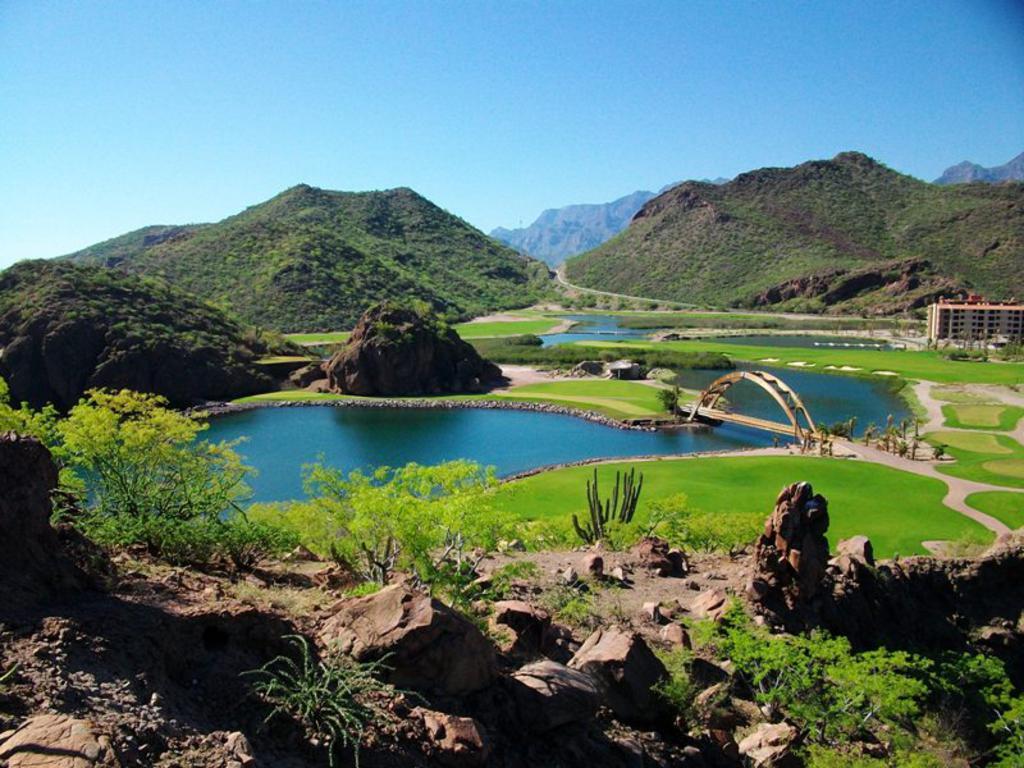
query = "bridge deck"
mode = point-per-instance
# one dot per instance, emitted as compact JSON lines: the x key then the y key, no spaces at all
{"x":747,"y":421}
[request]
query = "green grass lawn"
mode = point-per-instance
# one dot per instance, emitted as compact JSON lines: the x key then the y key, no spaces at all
{"x":955,"y":394}
{"x":506,"y":328}
{"x":982,"y":416}
{"x":332,"y":337}
{"x":928,"y":365}
{"x":1004,"y":506}
{"x":897,"y":510}
{"x":465,"y":330}
{"x":617,"y":399}
{"x":986,"y":458}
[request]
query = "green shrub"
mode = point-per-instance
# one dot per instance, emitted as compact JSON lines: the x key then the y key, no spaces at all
{"x":334,"y":698}
{"x":679,"y":690}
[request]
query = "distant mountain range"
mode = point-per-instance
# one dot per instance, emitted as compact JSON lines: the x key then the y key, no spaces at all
{"x":966,"y":172}
{"x":842,"y":234}
{"x":559,"y":233}
{"x":312,"y":259}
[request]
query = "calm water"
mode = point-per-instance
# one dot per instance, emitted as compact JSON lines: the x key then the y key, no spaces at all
{"x":829,"y":398}
{"x":280,"y":440}
{"x":772,"y":340}
{"x":595,"y":328}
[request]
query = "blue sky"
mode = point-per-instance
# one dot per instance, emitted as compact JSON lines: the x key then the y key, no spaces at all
{"x":114,"y":115}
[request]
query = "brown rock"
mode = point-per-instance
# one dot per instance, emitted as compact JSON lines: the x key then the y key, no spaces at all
{"x":32,"y":564}
{"x":651,"y":611}
{"x":397,"y":351}
{"x":57,"y":741}
{"x":652,"y":554}
{"x":559,"y":644}
{"x":549,"y":694}
{"x":857,"y":547}
{"x":529,"y":625}
{"x":458,"y":741}
{"x":624,"y":670}
{"x":711,"y":604}
{"x":769,"y":745}
{"x":428,"y":645}
{"x":306,"y":375}
{"x":675,"y":635}
{"x":592,"y":565}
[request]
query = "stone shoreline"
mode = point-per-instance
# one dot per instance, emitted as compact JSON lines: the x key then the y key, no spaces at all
{"x":222,"y":408}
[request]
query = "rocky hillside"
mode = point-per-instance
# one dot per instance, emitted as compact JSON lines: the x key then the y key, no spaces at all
{"x":733,"y":244}
{"x":312,"y":259}
{"x":967,"y":172}
{"x":559,"y":233}
{"x":158,"y":666}
{"x":66,"y":328}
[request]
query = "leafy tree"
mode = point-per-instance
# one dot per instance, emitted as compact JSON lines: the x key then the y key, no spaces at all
{"x":425,"y":519}
{"x":150,"y":480}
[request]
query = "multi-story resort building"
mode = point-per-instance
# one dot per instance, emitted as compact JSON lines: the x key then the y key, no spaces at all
{"x":974,"y":320}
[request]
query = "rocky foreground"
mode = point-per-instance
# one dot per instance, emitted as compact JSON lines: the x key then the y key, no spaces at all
{"x":125,"y":661}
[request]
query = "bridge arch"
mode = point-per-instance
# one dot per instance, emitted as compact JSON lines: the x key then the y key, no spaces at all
{"x":780,"y":392}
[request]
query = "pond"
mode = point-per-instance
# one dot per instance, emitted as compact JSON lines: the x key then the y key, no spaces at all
{"x":279,"y":441}
{"x":828,"y":397}
{"x":595,"y":328}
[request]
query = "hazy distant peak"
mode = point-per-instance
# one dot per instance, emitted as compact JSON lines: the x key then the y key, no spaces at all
{"x":967,"y":172}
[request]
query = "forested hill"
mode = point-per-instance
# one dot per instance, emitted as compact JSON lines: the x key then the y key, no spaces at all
{"x":845,"y":233}
{"x":66,"y":328}
{"x":312,"y":259}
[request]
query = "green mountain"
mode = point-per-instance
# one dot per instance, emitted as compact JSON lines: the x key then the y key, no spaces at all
{"x":841,"y":234}
{"x":312,"y":260}
{"x":66,"y":328}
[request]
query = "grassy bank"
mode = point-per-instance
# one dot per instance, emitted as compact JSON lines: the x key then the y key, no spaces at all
{"x":524,"y":350}
{"x":746,"y":486}
{"x":616,"y":399}
{"x":927,"y":365}
{"x":982,"y":416}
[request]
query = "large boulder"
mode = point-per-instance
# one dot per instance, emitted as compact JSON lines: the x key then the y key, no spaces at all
{"x":428,"y":645}
{"x":625,"y":671}
{"x":396,"y":351}
{"x":32,"y":564}
{"x":56,"y":741}
{"x":792,"y":554}
{"x":549,"y":694}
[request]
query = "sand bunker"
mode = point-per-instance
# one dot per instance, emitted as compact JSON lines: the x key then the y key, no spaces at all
{"x":885,"y":373}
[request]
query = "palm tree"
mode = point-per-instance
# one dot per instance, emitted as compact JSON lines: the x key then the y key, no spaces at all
{"x":870,"y":432}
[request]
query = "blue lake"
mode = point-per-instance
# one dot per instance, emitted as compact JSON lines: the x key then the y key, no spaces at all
{"x":279,"y":441}
{"x":595,"y":328}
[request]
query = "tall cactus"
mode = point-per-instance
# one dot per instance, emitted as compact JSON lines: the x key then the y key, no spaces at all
{"x":602,"y":514}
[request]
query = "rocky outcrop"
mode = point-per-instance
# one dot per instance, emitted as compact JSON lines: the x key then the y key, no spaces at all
{"x":915,"y":602}
{"x":399,"y":351}
{"x":57,"y":741}
{"x":897,"y":286}
{"x":428,"y":645}
{"x":791,"y":555}
{"x":769,"y":746}
{"x":527,"y":626}
{"x":32,"y":565}
{"x":625,"y":670}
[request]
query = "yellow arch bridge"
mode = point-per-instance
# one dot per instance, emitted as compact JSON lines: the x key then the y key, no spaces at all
{"x":704,"y":408}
